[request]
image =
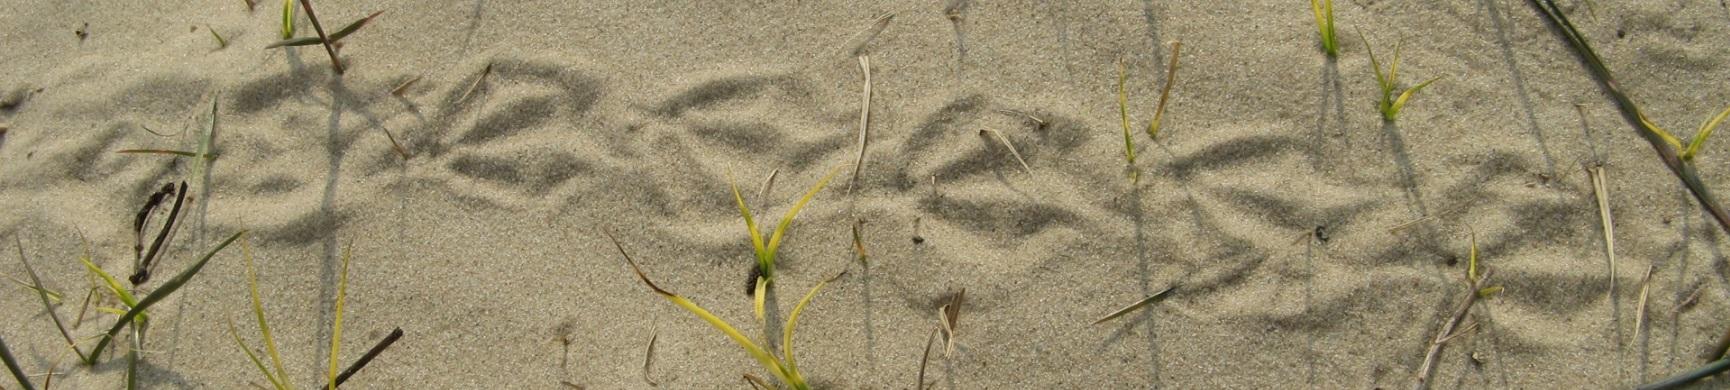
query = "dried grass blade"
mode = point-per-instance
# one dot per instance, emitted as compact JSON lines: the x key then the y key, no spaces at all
{"x":42,"y":293}
{"x":1006,"y":145}
{"x":1640,"y":312}
{"x":158,"y":151}
{"x":403,"y":88}
{"x":649,"y":358}
{"x":767,"y":360}
{"x":949,"y":315}
{"x":1602,"y":196}
{"x":1133,"y":307}
{"x":864,"y":122}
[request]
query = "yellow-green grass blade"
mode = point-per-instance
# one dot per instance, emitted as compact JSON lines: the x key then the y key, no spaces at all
{"x":1659,"y":131}
{"x":336,"y":322}
{"x":161,"y":293}
{"x":1165,"y":95}
{"x":757,"y":247}
{"x":274,"y":382}
{"x":759,"y":297}
{"x":258,"y":315}
{"x":787,"y":331}
{"x":221,"y":43}
{"x":787,"y":219}
{"x":1324,"y":11}
{"x":755,"y":351}
{"x":114,"y":287}
{"x":1705,"y":131}
{"x":1472,"y":261}
{"x":12,"y":365}
{"x":42,"y":292}
{"x":287,"y":19}
{"x":54,"y":296}
{"x":1394,"y":109}
{"x":1123,"y":111}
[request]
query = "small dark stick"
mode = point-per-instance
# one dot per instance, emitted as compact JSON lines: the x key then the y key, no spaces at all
{"x":334,"y":63}
{"x":367,"y":358}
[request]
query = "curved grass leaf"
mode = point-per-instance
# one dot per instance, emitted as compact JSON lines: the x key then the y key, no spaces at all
{"x":42,"y":292}
{"x":258,"y":315}
{"x":1123,"y":112}
{"x":787,"y":219}
{"x":161,"y":293}
{"x":12,"y":365}
{"x":114,"y":287}
{"x":792,"y":322}
{"x":763,"y":265}
{"x":274,"y":382}
{"x":767,"y":360}
{"x":1701,"y":135}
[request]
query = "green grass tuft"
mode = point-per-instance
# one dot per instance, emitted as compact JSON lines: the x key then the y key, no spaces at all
{"x":1388,"y":82}
{"x":1324,"y":10}
{"x":161,"y":293}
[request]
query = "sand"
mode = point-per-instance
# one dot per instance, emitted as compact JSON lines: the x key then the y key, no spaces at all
{"x":485,"y":245}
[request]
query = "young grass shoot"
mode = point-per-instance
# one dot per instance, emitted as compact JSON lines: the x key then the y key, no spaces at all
{"x":785,"y":368}
{"x":765,"y":251}
{"x":1324,"y":10}
{"x":1388,"y":83}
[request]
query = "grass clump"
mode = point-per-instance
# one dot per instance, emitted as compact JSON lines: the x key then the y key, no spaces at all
{"x":1153,"y":126}
{"x":328,"y":41}
{"x":1324,"y":10}
{"x":1388,"y":82}
{"x":785,"y":368}
{"x":765,"y":252}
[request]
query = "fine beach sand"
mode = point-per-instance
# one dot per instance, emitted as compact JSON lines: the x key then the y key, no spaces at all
{"x":538,"y":124}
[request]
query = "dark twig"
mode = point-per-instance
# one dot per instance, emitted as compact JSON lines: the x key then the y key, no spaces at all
{"x":334,"y":63}
{"x":367,"y":358}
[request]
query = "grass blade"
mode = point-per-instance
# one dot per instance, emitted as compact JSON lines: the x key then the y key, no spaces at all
{"x":792,"y":322}
{"x":258,"y":316}
{"x":1683,"y":379}
{"x":335,"y":64}
{"x":395,"y":334}
{"x":949,"y":315}
{"x":12,"y":365}
{"x":1401,"y":102}
{"x":336,"y":321}
{"x":287,"y":19}
{"x":925,"y":358}
{"x":1010,"y":146}
{"x":114,"y":287}
{"x":1123,"y":112}
{"x":1602,"y":194}
{"x":1700,"y":135}
{"x":352,"y":27}
{"x":787,"y":219}
{"x":755,"y":351}
{"x":763,"y":265}
{"x":220,"y":42}
{"x":1138,"y":304}
{"x":1171,"y":78}
{"x":161,"y":293}
{"x":1324,"y":10}
{"x":274,"y":381}
{"x":864,"y":121}
{"x":158,"y":151}
{"x":42,"y":293}
{"x":758,"y":297}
